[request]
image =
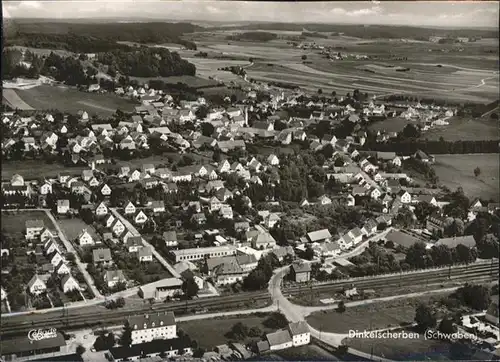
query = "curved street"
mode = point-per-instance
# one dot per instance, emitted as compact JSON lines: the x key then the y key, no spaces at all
{"x":295,"y":313}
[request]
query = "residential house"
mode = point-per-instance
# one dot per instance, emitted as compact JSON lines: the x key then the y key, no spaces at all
{"x":102,"y":256}
{"x":300,"y":272}
{"x":273,"y":160}
{"x":133,"y":244}
{"x":170,"y":238}
{"x":69,"y":283}
{"x":324,"y":200}
{"x":101,"y":209}
{"x":46,"y":188}
{"x":55,"y":258}
{"x":36,"y":285}
{"x":140,"y":218}
{"x":329,"y":250}
{"x":404,"y":196}
{"x":145,"y":254}
{"x":62,"y":268}
{"x":118,"y":227}
{"x":113,"y":277}
{"x":300,"y":333}
{"x":280,"y":339}
{"x":226,"y":211}
{"x":109,"y":220}
{"x":263,"y":240}
{"x":33,"y":228}
{"x":319,"y":236}
{"x":84,"y":238}
{"x":105,"y":190}
{"x":158,"y":206}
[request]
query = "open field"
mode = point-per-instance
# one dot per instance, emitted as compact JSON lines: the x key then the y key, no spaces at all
{"x":12,"y":99}
{"x":33,"y":169}
{"x":394,"y":124}
{"x":74,"y":226}
{"x":402,"y":349}
{"x":369,"y":317}
{"x":461,"y":129}
{"x":467,"y":75}
{"x":71,"y":100}
{"x":193,"y":82}
{"x":13,"y":222}
{"x":458,"y":171}
{"x":211,"y":332}
{"x":310,"y":352}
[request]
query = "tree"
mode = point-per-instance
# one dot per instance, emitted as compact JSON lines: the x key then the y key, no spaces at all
{"x":309,"y":253}
{"x":126,"y":338}
{"x":190,"y":288}
{"x":341,"y":307}
{"x":411,"y":131}
{"x":239,"y":331}
{"x":424,"y":317}
{"x":304,"y":57}
{"x":334,"y":94}
{"x":477,"y":171}
{"x":320,"y":91}
{"x":275,"y":321}
{"x":446,"y":326}
{"x":207,"y":129}
{"x":80,"y":349}
{"x":254,"y":332}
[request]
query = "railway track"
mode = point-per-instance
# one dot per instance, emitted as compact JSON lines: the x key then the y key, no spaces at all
{"x":74,"y":319}
{"x":394,"y":280}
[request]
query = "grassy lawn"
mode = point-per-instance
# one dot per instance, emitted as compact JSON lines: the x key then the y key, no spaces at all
{"x":458,"y":170}
{"x":34,"y":169}
{"x":13,"y":222}
{"x":73,"y":227}
{"x":211,"y":332}
{"x":71,"y":100}
{"x":402,"y":349}
{"x":395,"y":124}
{"x":377,"y":316}
{"x":189,"y":80}
{"x":465,"y":129}
{"x":309,"y":352}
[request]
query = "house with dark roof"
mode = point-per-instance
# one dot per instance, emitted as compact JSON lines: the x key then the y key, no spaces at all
{"x":300,"y":272}
{"x":319,"y":236}
{"x":300,"y":333}
{"x":279,"y":340}
{"x":154,"y":326}
{"x":102,"y":256}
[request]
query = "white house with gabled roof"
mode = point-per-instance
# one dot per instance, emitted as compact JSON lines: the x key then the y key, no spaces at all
{"x":36,"y":285}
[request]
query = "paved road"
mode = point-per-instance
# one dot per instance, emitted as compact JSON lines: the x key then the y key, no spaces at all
{"x":157,"y":255}
{"x":296,"y":313}
{"x":69,"y":247}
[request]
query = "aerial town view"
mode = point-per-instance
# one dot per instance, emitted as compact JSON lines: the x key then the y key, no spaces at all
{"x":229,"y":181}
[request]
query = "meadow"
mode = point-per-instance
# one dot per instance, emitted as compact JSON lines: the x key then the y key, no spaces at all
{"x":74,"y":226}
{"x":458,"y":171}
{"x":435,"y":70}
{"x":369,"y":317}
{"x":212,"y":332}
{"x":68,"y":99}
{"x":465,"y":128}
{"x":13,"y":222}
{"x":34,"y":169}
